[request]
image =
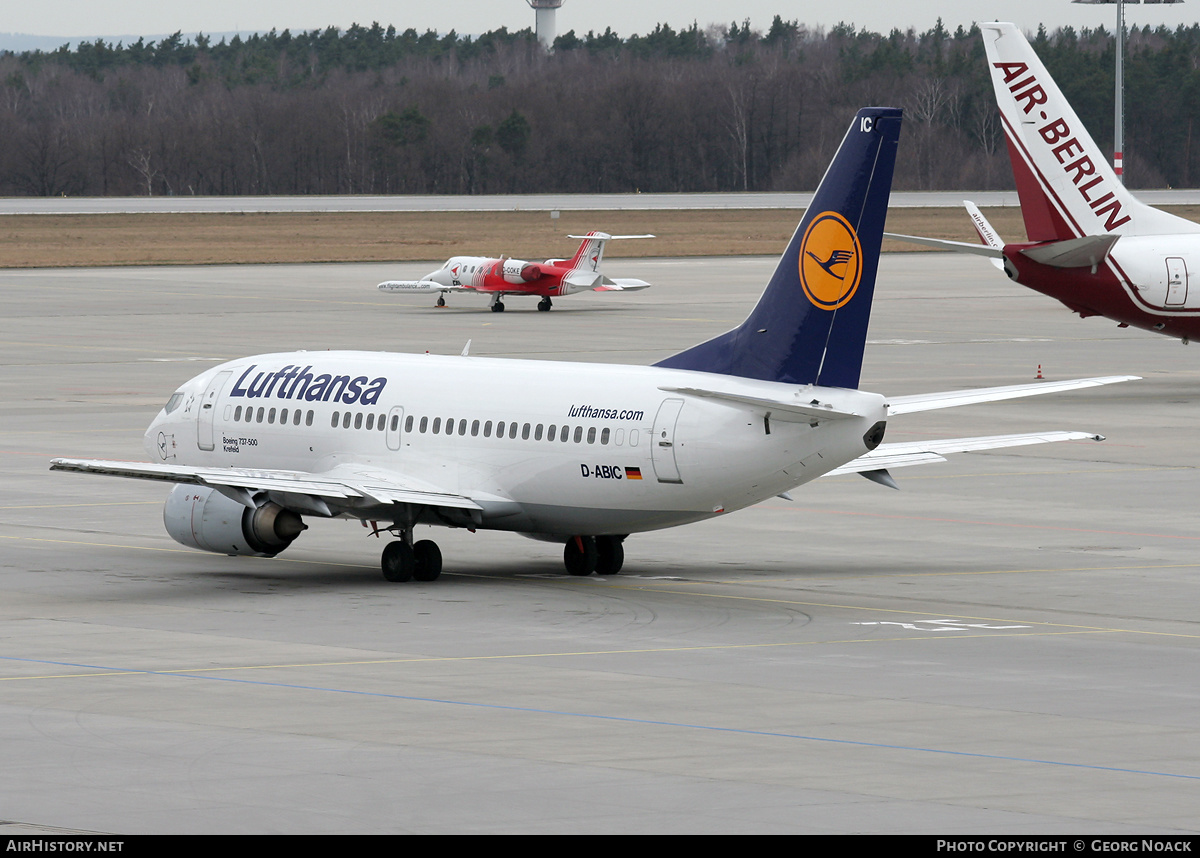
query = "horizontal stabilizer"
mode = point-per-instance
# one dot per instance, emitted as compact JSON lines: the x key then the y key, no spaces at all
{"x":787,"y":411}
{"x":906,"y":453}
{"x":1086,"y":252}
{"x":605,"y":237}
{"x":584,"y":279}
{"x":946,"y":244}
{"x":955,"y":398}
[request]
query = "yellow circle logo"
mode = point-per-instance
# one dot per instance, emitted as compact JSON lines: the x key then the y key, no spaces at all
{"x":830,"y":261}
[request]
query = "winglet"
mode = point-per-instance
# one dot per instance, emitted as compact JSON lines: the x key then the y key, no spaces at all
{"x":810,"y":324}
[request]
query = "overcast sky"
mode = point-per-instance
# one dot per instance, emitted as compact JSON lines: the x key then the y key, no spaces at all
{"x":626,"y":17}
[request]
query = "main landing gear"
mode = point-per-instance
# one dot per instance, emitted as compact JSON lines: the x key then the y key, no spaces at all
{"x":603,"y":555}
{"x":441,"y":301}
{"x":545,"y":304}
{"x":403,"y":561}
{"x":497,"y":302}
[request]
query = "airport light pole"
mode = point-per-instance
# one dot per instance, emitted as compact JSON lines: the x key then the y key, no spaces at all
{"x":1119,"y":125}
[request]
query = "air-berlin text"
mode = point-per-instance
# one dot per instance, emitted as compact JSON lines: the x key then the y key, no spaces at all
{"x":1078,"y":166}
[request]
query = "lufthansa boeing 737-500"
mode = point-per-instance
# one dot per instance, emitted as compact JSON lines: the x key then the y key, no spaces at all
{"x":581,"y":454}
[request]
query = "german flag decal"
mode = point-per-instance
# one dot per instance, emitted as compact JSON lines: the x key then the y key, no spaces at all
{"x":633,"y":473}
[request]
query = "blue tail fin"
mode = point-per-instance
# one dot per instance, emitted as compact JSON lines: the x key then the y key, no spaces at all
{"x":810,"y":325}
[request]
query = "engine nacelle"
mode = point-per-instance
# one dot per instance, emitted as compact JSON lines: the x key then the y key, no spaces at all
{"x":203,"y":518}
{"x":520,"y":271}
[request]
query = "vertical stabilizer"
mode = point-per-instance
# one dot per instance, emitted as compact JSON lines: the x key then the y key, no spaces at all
{"x":590,"y":252}
{"x":1067,"y":187}
{"x":810,"y":324}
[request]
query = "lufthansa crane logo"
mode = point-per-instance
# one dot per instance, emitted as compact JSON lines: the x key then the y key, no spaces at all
{"x":830,"y":261}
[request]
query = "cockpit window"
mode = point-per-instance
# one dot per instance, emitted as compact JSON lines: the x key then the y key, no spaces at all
{"x":173,"y":402}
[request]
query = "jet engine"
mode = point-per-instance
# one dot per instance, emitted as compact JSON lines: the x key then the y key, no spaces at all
{"x":203,"y":518}
{"x":520,"y":271}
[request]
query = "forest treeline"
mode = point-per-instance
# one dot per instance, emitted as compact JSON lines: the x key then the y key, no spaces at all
{"x":373,"y":110}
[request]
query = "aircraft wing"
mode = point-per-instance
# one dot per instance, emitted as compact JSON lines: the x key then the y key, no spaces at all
{"x":955,"y":398}
{"x":906,"y":453}
{"x":420,"y":286}
{"x":946,"y":244}
{"x":621,"y":285}
{"x":341,"y":489}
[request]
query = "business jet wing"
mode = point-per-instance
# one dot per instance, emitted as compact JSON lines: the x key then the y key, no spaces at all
{"x":955,"y":398}
{"x":906,"y":453}
{"x":625,"y":284}
{"x":420,"y":286}
{"x":346,"y":488}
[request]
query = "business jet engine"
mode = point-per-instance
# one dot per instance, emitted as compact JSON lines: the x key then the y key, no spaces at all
{"x":200,"y":517}
{"x":520,"y":271}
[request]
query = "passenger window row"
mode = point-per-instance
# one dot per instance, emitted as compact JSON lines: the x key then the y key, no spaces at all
{"x":514,"y":429}
{"x":268,"y":415}
{"x":437,"y":426}
{"x":361,"y":421}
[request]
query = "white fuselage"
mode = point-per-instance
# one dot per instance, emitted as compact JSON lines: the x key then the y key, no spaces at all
{"x":695,"y":457}
{"x":1159,"y":269}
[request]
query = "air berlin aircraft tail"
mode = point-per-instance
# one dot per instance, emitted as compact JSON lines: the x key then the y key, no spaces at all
{"x":1067,"y":187}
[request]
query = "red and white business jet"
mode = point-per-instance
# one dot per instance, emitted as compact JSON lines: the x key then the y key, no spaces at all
{"x":500,"y":277}
{"x":1091,"y":244}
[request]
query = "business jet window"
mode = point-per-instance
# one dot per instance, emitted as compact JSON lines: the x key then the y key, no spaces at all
{"x":173,"y":402}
